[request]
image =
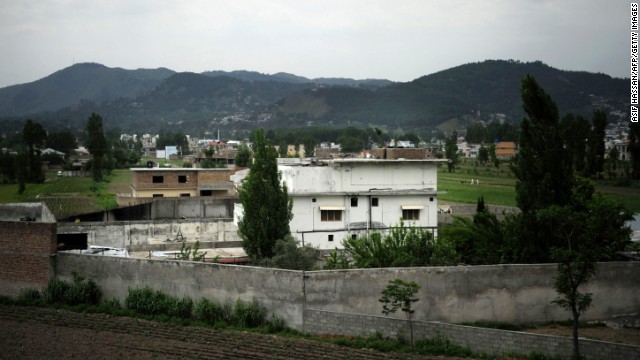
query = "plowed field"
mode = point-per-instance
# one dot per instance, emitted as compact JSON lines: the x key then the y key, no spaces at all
{"x":42,"y":333}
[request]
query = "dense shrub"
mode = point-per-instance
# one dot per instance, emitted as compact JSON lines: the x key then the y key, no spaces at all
{"x":211,"y":313}
{"x":249,"y":315}
{"x":81,"y":292}
{"x":147,"y":301}
{"x":29,"y":297}
{"x":275,"y":324}
{"x":55,"y":291}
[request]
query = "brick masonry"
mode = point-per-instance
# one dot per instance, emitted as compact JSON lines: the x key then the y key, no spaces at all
{"x":26,"y":249}
{"x":490,"y":341}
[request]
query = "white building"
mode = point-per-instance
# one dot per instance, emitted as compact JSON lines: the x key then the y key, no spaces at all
{"x":343,"y":198}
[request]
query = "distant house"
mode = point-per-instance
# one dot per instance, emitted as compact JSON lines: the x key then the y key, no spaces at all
{"x":505,"y":149}
{"x":49,"y":151}
{"x":181,"y":182}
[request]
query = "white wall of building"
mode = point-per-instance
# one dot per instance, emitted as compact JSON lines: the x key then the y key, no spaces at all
{"x":397,"y":184}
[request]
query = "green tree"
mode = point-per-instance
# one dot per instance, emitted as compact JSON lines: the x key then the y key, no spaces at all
{"x":266,"y":203}
{"x":400,"y":246}
{"x":596,"y":143}
{"x":243,"y":156}
{"x":289,"y":255}
{"x":400,"y":294}
{"x":543,"y":175}
{"x":479,"y":240}
{"x":35,"y":137}
{"x":309,"y":146}
{"x":634,"y":149}
{"x":283,"y":149}
{"x":97,"y":145}
{"x":576,"y":251}
{"x":350,"y":144}
{"x":483,"y":155}
{"x":451,"y":151}
{"x":576,"y":132}
{"x":574,"y":270}
{"x":8,"y":167}
{"x":336,"y":260}
{"x":63,"y":141}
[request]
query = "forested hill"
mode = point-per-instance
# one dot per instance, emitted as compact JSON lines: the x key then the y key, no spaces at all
{"x":86,"y":81}
{"x":490,"y":87}
{"x":148,"y":100}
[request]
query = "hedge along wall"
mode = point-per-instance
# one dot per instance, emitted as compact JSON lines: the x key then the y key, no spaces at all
{"x":279,"y":291}
{"x":490,"y":341}
{"x":503,"y":293}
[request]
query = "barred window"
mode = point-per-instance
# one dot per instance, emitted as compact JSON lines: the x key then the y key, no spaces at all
{"x":331,"y":215}
{"x":410,"y":214}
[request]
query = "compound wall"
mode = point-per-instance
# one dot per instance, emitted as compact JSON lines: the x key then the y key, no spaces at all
{"x":509,"y":293}
{"x":127,"y":233}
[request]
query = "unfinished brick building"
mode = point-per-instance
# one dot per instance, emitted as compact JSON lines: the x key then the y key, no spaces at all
{"x":181,"y":182}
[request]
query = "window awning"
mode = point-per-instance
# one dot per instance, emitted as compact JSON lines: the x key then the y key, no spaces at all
{"x":341,"y":208}
{"x":412,"y":207}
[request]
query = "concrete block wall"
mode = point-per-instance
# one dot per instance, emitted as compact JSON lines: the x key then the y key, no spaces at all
{"x":280,"y":291}
{"x":497,"y":293}
{"x":490,"y":341}
{"x":290,"y":295}
{"x":127,"y":233}
{"x":502,"y":293}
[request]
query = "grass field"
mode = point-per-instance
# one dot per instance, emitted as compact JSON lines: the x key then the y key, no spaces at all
{"x":498,"y":187}
{"x":67,"y":196}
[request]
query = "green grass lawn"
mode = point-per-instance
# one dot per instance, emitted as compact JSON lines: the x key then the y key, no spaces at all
{"x":67,"y":196}
{"x":498,"y":187}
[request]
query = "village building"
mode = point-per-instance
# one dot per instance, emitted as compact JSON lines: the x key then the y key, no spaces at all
{"x":505,"y":150}
{"x":181,"y":182}
{"x":336,"y":199}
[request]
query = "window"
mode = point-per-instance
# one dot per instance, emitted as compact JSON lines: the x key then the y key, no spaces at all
{"x":330,"y":238}
{"x":185,"y":195}
{"x":331,"y":215}
{"x":354,"y":236}
{"x":206,"y":192}
{"x":431,"y":198}
{"x":410,"y":214}
{"x":374,"y":202}
{"x":354,"y":202}
{"x":158,"y":179}
{"x":183,"y":179}
{"x":313,"y":200}
{"x":158,"y":195}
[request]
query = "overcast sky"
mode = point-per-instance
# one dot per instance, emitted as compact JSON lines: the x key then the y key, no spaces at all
{"x":398,"y":40}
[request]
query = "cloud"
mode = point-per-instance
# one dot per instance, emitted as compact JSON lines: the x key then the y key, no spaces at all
{"x":399,"y":40}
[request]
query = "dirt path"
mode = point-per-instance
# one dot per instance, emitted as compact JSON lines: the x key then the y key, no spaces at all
{"x":41,"y":333}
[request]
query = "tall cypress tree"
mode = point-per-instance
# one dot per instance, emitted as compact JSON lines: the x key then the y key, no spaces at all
{"x":544,"y":177}
{"x":596,"y":142}
{"x":266,"y":203}
{"x":35,"y":137}
{"x":97,"y":145}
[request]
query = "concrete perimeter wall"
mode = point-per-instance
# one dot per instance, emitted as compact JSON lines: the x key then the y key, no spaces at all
{"x":127,"y":233}
{"x":498,"y":293}
{"x":491,"y":341}
{"x":502,"y":293}
{"x":280,"y":291}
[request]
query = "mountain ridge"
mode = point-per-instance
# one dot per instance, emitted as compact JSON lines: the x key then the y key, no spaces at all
{"x":155,"y":98}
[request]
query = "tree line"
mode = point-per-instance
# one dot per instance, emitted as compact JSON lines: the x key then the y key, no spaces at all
{"x":25,"y":163}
